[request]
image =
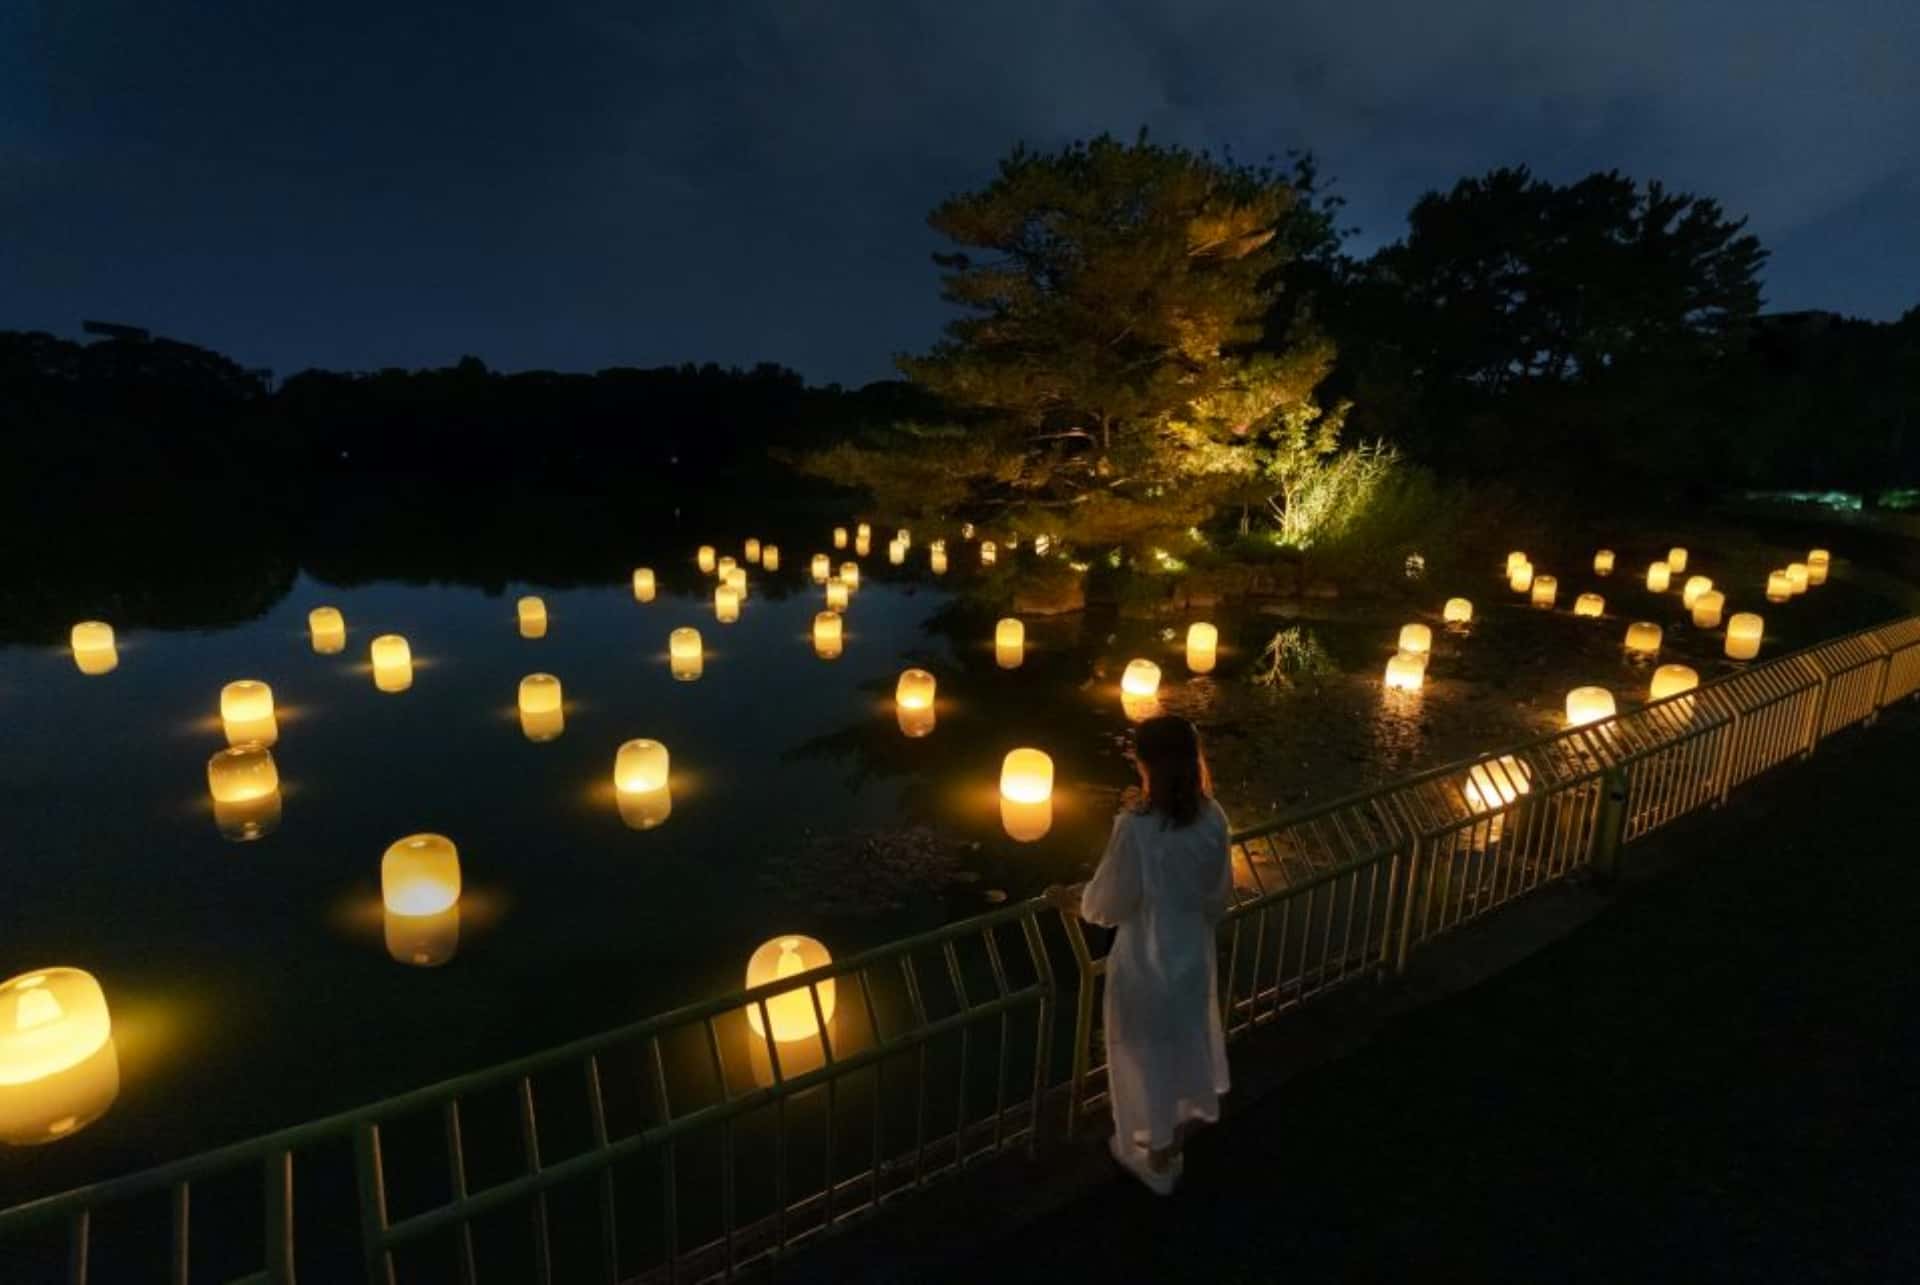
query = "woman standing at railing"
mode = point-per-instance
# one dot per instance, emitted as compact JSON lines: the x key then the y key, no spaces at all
{"x":1164,"y":883}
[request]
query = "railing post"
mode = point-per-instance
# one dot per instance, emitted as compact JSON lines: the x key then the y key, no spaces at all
{"x":1723,"y":767}
{"x":1880,"y":690}
{"x":1610,"y":827}
{"x":1409,"y":893}
{"x":1082,"y":1020}
{"x":1818,"y":715}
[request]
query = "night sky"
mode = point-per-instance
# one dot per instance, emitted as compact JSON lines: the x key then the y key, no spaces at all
{"x":582,"y":183}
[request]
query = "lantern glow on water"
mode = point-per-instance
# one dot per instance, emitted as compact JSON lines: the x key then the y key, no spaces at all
{"x":1497,"y":783}
{"x":1026,"y":794}
{"x":1545,"y":590}
{"x":827,"y":636}
{"x":770,"y":557}
{"x":1743,"y":635}
{"x":736,"y":580}
{"x":1643,"y":638}
{"x":392,"y":663}
{"x":1458,"y":611}
{"x":1520,"y":578}
{"x":423,"y":941}
{"x":1406,"y":672}
{"x":1142,"y":678}
{"x":1695,"y":586}
{"x":1798,"y":577}
{"x":420,"y":875}
{"x":726,"y":604}
{"x":704,"y":558}
{"x":896,"y":553}
{"x":245,"y":785}
{"x":791,"y":1012}
{"x":1677,"y":560}
{"x":1203,"y":644}
{"x":850,"y":575}
{"x":1416,"y":638}
{"x":839,"y":537}
{"x":1589,"y":604}
{"x":862,"y":547}
{"x":988,"y":552}
{"x":752,"y":550}
{"x":1009,"y":642}
{"x":1515,"y":561}
{"x":1588,"y":705}
{"x":643,"y":586}
{"x":685,"y":658}
{"x":1818,"y":563}
{"x":837,"y":594}
{"x":246,"y":712}
{"x":94,"y":651}
{"x":1707,"y":608}
{"x":1671,"y":680}
{"x":937,"y":561}
{"x":1779,"y":587}
{"x":59,"y":1071}
{"x":822,"y":568}
{"x":863,"y":531}
{"x":1659,"y":576}
{"x":642,"y":783}
{"x":1603,"y":562}
{"x":533,"y":617}
{"x":913,"y":701}
{"x":542,"y":709}
{"x":328,"y":629}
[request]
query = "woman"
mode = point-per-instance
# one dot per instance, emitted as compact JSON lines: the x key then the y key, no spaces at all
{"x":1164,"y":883}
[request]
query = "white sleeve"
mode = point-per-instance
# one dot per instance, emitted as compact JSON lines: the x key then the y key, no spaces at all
{"x":1113,"y":894}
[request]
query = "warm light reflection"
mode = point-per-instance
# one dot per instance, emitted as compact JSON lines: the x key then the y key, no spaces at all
{"x":533,"y":617}
{"x":1009,"y":643}
{"x":420,"y":875}
{"x":1671,"y":680}
{"x":988,"y":552}
{"x":863,"y":531}
{"x":1643,"y":638}
{"x":94,"y":651}
{"x":1026,"y":822}
{"x":1659,"y":576}
{"x":1545,"y":590}
{"x":1138,"y":708}
{"x":1142,"y":678}
{"x":837,"y":594}
{"x":645,"y":809}
{"x":684,"y":656}
{"x":1026,"y":776}
{"x":246,"y":712}
{"x":1497,"y":783}
{"x":392,"y":663}
{"x":542,"y":710}
{"x":248,"y":819}
{"x":643,"y":585}
{"x":1589,"y":604}
{"x":850,"y":576}
{"x":915,"y":689}
{"x":1406,"y":671}
{"x":726,"y":604}
{"x":1416,"y":638}
{"x":328,"y":630}
{"x":1458,"y":611}
{"x":1588,"y":705}
{"x":915,"y":723}
{"x":242,"y":773}
{"x":1203,"y":643}
{"x":423,"y":941}
{"x":641,"y":766}
{"x":1603,"y":562}
{"x":791,"y":1012}
{"x":1743,"y":635}
{"x":827,"y":635}
{"x":1707,"y":608}
{"x":59,"y":1105}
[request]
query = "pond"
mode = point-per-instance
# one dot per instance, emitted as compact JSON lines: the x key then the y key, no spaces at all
{"x":254,"y":983}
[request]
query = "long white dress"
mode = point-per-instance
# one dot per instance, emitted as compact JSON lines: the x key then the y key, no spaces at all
{"x":1165,"y":887}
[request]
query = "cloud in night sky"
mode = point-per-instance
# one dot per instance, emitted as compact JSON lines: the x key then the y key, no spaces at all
{"x":587,"y":183}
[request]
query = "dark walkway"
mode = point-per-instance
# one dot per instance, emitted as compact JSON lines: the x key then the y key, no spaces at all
{"x":1718,"y":1078}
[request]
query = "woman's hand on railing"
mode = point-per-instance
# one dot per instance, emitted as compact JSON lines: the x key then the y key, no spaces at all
{"x":1064,"y":898}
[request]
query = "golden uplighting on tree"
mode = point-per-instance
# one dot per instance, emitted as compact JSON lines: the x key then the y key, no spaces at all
{"x":328,"y":630}
{"x":1203,"y":643}
{"x":1589,"y":604}
{"x":1743,"y":635}
{"x":791,"y":1012}
{"x":94,"y":651}
{"x":533,"y":617}
{"x":827,"y":634}
{"x":392,"y":663}
{"x":1588,"y":705}
{"x":246,"y":712}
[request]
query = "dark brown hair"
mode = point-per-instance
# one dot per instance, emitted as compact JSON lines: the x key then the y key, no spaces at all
{"x":1173,"y":768}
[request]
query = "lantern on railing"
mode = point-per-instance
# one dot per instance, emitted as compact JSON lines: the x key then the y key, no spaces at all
{"x":1497,"y":783}
{"x":1203,"y":644}
{"x":1416,"y":638}
{"x":1588,"y":705}
{"x":1520,"y":577}
{"x":1707,"y":608}
{"x":1818,"y":561}
{"x":420,"y":875}
{"x":94,"y":651}
{"x":726,"y":604}
{"x":1671,"y":680}
{"x":533,"y":617}
{"x":837,"y":594}
{"x":246,"y":712}
{"x":59,"y":1071}
{"x":1743,"y":635}
{"x":822,"y":568}
{"x":1545,"y":590}
{"x":643,"y":586}
{"x":1603,"y":562}
{"x":1009,"y":643}
{"x":1798,"y":577}
{"x":1643,"y":638}
{"x":1458,"y":611}
{"x":1779,"y":587}
{"x":1691,"y":591}
{"x":328,"y":629}
{"x":988,"y":553}
{"x":542,"y":712}
{"x":1142,"y":678}
{"x":770,"y":557}
{"x":827,"y":636}
{"x":245,"y":786}
{"x":392,"y":663}
{"x":896,"y":553}
{"x":685,"y":657}
{"x":790,"y":1012}
{"x":705,"y":558}
{"x":751,"y":550}
{"x":1589,"y":604}
{"x":937,"y":561}
{"x":1677,"y":560}
{"x":839,"y":537}
{"x":1406,"y":671}
{"x":913,"y":701}
{"x":1659,"y":576}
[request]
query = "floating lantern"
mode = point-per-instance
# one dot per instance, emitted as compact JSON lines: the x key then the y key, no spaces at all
{"x":1798,"y":577}
{"x":1743,"y":635}
{"x":542,"y":711}
{"x":1497,"y":783}
{"x":1520,"y":578}
{"x":937,"y":560}
{"x":839,"y":537}
{"x":1203,"y":642}
{"x":1671,"y":680}
{"x":1818,"y":564}
{"x":770,"y":557}
{"x":862,"y":547}
{"x":1042,"y":543}
{"x":1603,"y":562}
{"x":863,"y":531}
{"x":1142,"y":678}
{"x":1707,"y":608}
{"x":1026,"y":822}
{"x":684,"y":656}
{"x":328,"y":629}
{"x":1515,"y":561}
{"x":903,"y":538}
{"x":643,"y":587}
{"x":850,"y":575}
{"x":1643,"y":638}
{"x":1690,"y":592}
{"x":1676,"y":560}
{"x":913,"y":696}
{"x":1026,"y":776}
{"x":1406,"y":672}
{"x":940,"y":544}
{"x":420,"y":875}
{"x":915,"y":723}
{"x":724,"y":568}
{"x":533,"y":617}
{"x":705,"y":558}
{"x":1659,"y":576}
{"x":827,"y":633}
{"x":988,"y":553}
{"x":1013,"y":541}
{"x":966,"y":530}
{"x":1458,"y":611}
{"x":822,"y":568}
{"x":791,"y":1012}
{"x":1138,"y":709}
{"x":896,"y":553}
{"x":726,"y":604}
{"x":1589,"y":604}
{"x":1545,"y":590}
{"x":246,"y":712}
{"x":1779,"y":587}
{"x":242,"y":773}
{"x":752,"y":550}
{"x":736,"y":580}
{"x":59,"y":1071}
{"x":423,"y":941}
{"x":642,"y":784}
{"x":1009,"y":643}
{"x":1417,"y":639}
{"x":93,"y":647}
{"x":392,"y":663}
{"x":1588,"y":705}
{"x":837,"y":594}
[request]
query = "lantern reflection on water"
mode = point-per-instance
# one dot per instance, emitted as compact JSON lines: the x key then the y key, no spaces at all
{"x":863,"y":531}
{"x":1743,"y":635}
{"x":533,"y":617}
{"x":1458,"y":611}
{"x":642,"y":784}
{"x":1707,"y":608}
{"x":1589,"y":604}
{"x":392,"y":663}
{"x":1416,"y":639}
{"x":420,"y":875}
{"x":684,"y":656}
{"x":827,"y":634}
{"x":1588,"y":705}
{"x":59,"y":1070}
{"x":850,"y":575}
{"x":1203,"y":642}
{"x":913,"y":702}
{"x":643,"y":586}
{"x":328,"y":629}
{"x":94,"y":651}
{"x":1659,"y":576}
{"x":1603,"y":562}
{"x":1009,"y":642}
{"x":1545,"y":590}
{"x":736,"y":580}
{"x":246,"y":712}
{"x":791,"y":1012}
{"x":423,"y":941}
{"x":245,"y":785}
{"x":1643,"y":638}
{"x":542,"y":710}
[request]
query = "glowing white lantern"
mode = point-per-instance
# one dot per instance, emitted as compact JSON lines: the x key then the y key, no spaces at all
{"x":940,"y":545}
{"x":242,"y":773}
{"x":937,"y":560}
{"x":1406,"y":672}
{"x":752,"y":550}
{"x":850,"y":575}
{"x":913,"y":698}
{"x":685,"y":658}
{"x":1643,"y":638}
{"x":1142,"y":678}
{"x":643,"y":586}
{"x":1458,"y":611}
{"x":1042,"y":543}
{"x":1798,"y":577}
{"x":1779,"y":586}
{"x":1707,"y":608}
{"x":1520,"y":578}
{"x":1516,"y":560}
{"x":392,"y":663}
{"x":1818,"y":561}
{"x":1659,"y":576}
{"x":862,"y":547}
{"x":1545,"y":590}
{"x":1416,"y":638}
{"x":827,"y":634}
{"x":1203,"y":642}
{"x":726,"y":604}
{"x":736,"y":580}
{"x":896,"y":553}
{"x":791,"y":1011}
{"x":1589,"y":604}
{"x":246,"y":712}
{"x":724,"y":567}
{"x":1677,"y":560}
{"x":1588,"y":705}
{"x":1671,"y":680}
{"x":1009,"y":643}
{"x":641,"y":766}
{"x":328,"y":629}
{"x":420,"y":875}
{"x":966,"y":530}
{"x":533,"y":617}
{"x":1497,"y":783}
{"x":1013,"y":541}
{"x":1743,"y":635}
{"x":1026,"y":776}
{"x":839,"y":537}
{"x":770,"y":557}
{"x":94,"y":651}
{"x":903,"y":538}
{"x":1690,"y":592}
{"x":59,"y":1071}
{"x":822,"y":568}
{"x":1603,"y":562}
{"x":705,"y":558}
{"x":542,"y":711}
{"x":837,"y":594}
{"x":863,"y":531}
{"x":988,"y":552}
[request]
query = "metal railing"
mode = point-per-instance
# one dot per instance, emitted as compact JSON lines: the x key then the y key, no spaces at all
{"x":693,"y":1145}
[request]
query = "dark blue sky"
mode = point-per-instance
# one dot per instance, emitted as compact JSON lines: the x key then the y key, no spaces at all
{"x":582,"y":183}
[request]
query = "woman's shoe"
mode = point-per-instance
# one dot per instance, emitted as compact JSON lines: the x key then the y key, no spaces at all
{"x":1135,"y":1162}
